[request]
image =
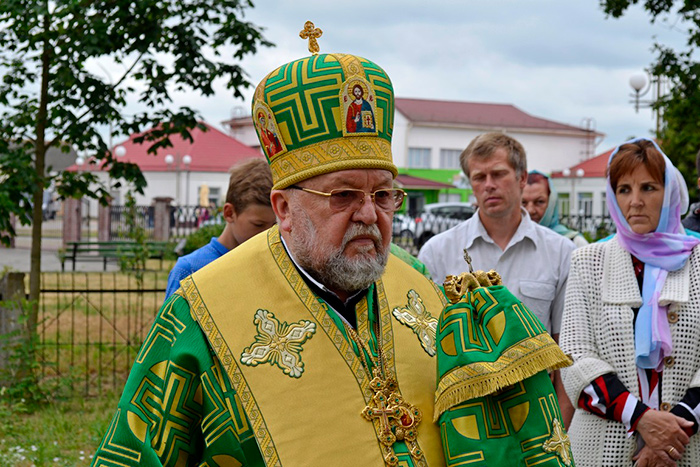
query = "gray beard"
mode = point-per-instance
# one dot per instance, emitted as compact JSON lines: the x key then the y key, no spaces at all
{"x":329,"y":265}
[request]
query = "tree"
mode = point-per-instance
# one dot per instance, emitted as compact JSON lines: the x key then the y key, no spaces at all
{"x":679,"y":132}
{"x":48,"y":98}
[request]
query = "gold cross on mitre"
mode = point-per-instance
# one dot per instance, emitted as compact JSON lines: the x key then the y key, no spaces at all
{"x":311,"y":33}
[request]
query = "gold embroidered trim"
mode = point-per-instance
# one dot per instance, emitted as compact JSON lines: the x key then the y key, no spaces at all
{"x":363,"y":152}
{"x":200,"y":314}
{"x":522,"y":360}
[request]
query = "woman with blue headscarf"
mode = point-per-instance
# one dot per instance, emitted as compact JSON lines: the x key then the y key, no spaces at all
{"x":539,"y":199}
{"x":632,"y":323}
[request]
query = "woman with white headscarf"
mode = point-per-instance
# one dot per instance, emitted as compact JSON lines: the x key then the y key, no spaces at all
{"x":632,"y":323}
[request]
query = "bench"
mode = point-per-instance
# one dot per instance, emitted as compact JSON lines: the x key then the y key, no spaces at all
{"x":111,"y":251}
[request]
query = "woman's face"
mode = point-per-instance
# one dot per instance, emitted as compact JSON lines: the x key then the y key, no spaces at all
{"x":640,"y":198}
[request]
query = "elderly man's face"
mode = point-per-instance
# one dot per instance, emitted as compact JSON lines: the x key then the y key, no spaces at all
{"x":347,"y":250}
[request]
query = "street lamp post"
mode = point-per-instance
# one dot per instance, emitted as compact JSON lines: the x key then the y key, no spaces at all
{"x":178,"y":162}
{"x":641,"y":86}
{"x":80,"y":162}
{"x":573,"y":176}
{"x":119,"y":151}
{"x":187,"y":160}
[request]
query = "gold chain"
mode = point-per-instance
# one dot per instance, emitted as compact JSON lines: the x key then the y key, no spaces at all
{"x":394,"y":418}
{"x":361,"y":344}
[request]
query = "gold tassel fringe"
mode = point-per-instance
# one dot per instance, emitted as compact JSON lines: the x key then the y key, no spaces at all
{"x":546,"y":358}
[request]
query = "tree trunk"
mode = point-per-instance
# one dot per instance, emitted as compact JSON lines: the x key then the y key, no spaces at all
{"x":39,"y":165}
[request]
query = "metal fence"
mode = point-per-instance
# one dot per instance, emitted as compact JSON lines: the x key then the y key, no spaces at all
{"x":187,"y":219}
{"x":118,"y":227}
{"x":411,"y":233}
{"x":595,"y":227}
{"x":91,"y":326}
{"x":183,"y":220}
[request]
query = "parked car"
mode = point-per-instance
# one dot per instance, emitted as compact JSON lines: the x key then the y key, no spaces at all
{"x":438,"y":217}
{"x":403,"y":228}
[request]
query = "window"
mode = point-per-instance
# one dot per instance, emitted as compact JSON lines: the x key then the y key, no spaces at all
{"x":449,"y":158}
{"x":585,"y":204}
{"x":212,"y":194}
{"x":419,"y":158}
{"x":564,"y":204}
{"x":215,"y":195}
{"x":604,"y":207}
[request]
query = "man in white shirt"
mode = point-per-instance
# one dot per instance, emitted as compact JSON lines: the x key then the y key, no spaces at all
{"x":532,"y":260}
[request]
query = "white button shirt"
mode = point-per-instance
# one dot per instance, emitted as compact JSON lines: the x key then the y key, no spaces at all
{"x":534,"y":265}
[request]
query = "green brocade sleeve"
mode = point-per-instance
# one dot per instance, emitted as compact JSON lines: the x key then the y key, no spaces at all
{"x":178,"y":407}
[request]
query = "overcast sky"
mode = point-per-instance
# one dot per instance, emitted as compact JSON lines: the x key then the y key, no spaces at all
{"x":561,"y":60}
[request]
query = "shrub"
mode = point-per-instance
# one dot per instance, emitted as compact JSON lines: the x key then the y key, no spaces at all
{"x":202,"y":236}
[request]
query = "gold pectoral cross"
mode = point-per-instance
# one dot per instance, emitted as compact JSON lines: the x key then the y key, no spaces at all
{"x":395,"y":419}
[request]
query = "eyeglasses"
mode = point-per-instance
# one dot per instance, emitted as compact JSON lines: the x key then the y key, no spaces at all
{"x":350,"y":199}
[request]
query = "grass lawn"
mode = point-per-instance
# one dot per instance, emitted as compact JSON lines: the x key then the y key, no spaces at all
{"x":63,"y":433}
{"x":89,"y":332}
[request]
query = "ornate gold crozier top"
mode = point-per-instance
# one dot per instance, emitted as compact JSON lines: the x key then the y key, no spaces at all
{"x":311,"y":32}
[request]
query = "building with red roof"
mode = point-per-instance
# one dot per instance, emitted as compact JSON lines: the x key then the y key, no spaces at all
{"x":432,"y":133}
{"x":186,"y":170}
{"x":581,"y":187}
{"x":429,"y":135}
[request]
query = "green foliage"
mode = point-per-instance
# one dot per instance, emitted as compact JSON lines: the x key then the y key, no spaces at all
{"x":20,"y":368}
{"x":50,"y":98}
{"x":134,"y":262}
{"x":202,"y":236}
{"x":679,"y":133}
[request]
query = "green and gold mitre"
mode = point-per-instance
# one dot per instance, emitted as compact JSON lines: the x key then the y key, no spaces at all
{"x":324,"y":113}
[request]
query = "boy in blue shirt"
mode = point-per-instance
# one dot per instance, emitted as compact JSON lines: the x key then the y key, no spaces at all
{"x":247,"y":212}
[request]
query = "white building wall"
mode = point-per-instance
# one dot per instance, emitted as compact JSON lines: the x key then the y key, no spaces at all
{"x":246,"y":134}
{"x":546,"y":152}
{"x":575,"y":186}
{"x":165,"y":184}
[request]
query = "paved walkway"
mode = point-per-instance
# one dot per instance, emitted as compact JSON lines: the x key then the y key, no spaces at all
{"x":18,"y":258}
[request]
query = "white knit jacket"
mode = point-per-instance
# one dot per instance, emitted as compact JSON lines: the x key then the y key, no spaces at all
{"x":598,"y":332}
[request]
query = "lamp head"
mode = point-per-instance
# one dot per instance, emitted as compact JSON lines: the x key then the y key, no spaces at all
{"x":638,"y":82}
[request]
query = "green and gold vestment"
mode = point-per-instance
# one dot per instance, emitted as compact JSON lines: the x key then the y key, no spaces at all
{"x":495,"y":402}
{"x":245,"y":365}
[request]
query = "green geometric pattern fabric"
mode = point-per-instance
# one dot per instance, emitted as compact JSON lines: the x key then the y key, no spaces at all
{"x":304,"y":97}
{"x":322,"y":114}
{"x":162,"y":401}
{"x":495,"y":401}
